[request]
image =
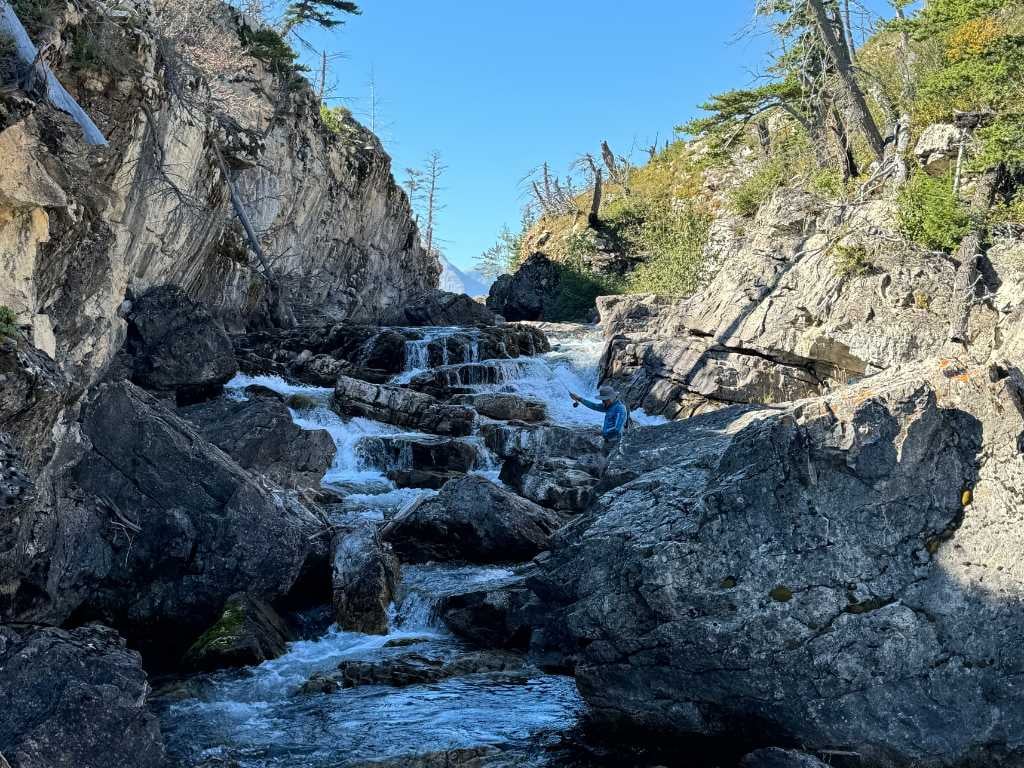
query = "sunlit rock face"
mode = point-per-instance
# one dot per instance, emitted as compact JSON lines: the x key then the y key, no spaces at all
{"x":80,"y":228}
{"x":801,"y":299}
{"x":841,"y":573}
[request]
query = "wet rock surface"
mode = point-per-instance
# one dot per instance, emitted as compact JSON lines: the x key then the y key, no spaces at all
{"x":471,"y":520}
{"x":248,"y":632}
{"x":780,"y":758}
{"x":175,"y":346}
{"x":417,"y":669}
{"x":74,"y":698}
{"x":401,"y":407}
{"x":170,"y":527}
{"x":496,"y":616}
{"x":261,"y":436}
{"x":365,"y":577}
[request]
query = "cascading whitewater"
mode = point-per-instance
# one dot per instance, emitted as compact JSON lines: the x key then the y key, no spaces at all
{"x":257,"y":719}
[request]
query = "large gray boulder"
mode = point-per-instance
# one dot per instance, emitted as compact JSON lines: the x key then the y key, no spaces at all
{"x":176,"y":347}
{"x":168,"y":527}
{"x":937,"y":148}
{"x":471,"y":520}
{"x":554,"y":466}
{"x":530,"y":293}
{"x":74,"y":698}
{"x":435,"y":307}
{"x":261,"y":436}
{"x":365,"y":579}
{"x":801,"y":300}
{"x":505,"y":406}
{"x":401,"y":407}
{"x":842,"y":572}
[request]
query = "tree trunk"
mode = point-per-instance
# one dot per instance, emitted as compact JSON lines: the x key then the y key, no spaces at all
{"x":965,"y":281}
{"x":595,"y":204}
{"x":282,"y":317}
{"x":847,"y":162}
{"x":764,"y":138}
{"x":11,"y":26}
{"x":858,"y":106}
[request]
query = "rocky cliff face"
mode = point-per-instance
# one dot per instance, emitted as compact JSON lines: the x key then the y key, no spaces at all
{"x":803,"y":298}
{"x":838,"y":573}
{"x":80,"y":228}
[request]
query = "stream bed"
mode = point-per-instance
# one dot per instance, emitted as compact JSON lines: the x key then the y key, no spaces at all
{"x":259,"y":717}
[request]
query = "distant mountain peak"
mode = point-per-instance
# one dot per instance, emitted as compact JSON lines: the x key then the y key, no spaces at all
{"x":455,"y":280}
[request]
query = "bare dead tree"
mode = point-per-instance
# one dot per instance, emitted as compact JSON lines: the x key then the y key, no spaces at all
{"x":853,"y":95}
{"x":588,"y":165}
{"x":40,"y":78}
{"x":432,"y":173}
{"x":968,"y":255}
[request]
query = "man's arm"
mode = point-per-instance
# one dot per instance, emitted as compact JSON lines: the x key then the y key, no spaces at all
{"x":599,"y":407}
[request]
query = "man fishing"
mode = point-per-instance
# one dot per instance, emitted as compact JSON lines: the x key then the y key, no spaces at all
{"x":616,"y":416}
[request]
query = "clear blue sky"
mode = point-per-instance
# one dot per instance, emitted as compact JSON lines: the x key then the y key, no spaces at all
{"x":498,"y":88}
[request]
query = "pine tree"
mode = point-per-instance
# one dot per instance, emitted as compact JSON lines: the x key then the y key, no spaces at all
{"x":320,"y":12}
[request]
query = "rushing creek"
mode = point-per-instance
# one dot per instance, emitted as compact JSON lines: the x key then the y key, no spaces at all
{"x":257,"y":718}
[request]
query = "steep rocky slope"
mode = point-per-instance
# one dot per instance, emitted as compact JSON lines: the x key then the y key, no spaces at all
{"x":82,"y":227}
{"x":784,"y":317}
{"x":838,"y":573}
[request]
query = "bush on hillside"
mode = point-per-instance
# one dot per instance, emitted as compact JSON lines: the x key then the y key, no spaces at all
{"x":8,"y":322}
{"x":675,"y":241}
{"x":579,"y":284}
{"x":930,"y":214}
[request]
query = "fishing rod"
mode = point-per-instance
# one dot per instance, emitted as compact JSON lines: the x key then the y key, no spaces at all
{"x":568,"y":392}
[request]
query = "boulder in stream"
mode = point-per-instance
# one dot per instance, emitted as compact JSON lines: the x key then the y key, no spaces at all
{"x":176,"y":347}
{"x":248,"y":632}
{"x":416,"y":669}
{"x":471,"y":520}
{"x":169,"y":527}
{"x":435,"y":307}
{"x":494,"y":616}
{"x":401,"y":407}
{"x":74,"y":698}
{"x":261,"y":436}
{"x":505,"y":406}
{"x":365,"y":579}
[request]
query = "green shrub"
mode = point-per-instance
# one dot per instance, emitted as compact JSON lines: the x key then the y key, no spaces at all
{"x":579,"y":285}
{"x":748,"y":197}
{"x":930,"y":214}
{"x":674,"y":240}
{"x":268,"y":46}
{"x":334,"y":118}
{"x":851,"y":260}
{"x":37,"y":15}
{"x":8,"y":322}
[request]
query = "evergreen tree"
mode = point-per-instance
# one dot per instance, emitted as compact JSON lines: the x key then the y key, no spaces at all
{"x":323,"y":13}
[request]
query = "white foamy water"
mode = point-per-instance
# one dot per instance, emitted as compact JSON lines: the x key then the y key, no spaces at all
{"x":572,"y":365}
{"x":417,"y":351}
{"x":259,"y":718}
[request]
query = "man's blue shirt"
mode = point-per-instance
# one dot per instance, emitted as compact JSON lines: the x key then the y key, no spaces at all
{"x":614,"y":416}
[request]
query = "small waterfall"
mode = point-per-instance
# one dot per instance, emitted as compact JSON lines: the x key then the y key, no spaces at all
{"x":260,"y":718}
